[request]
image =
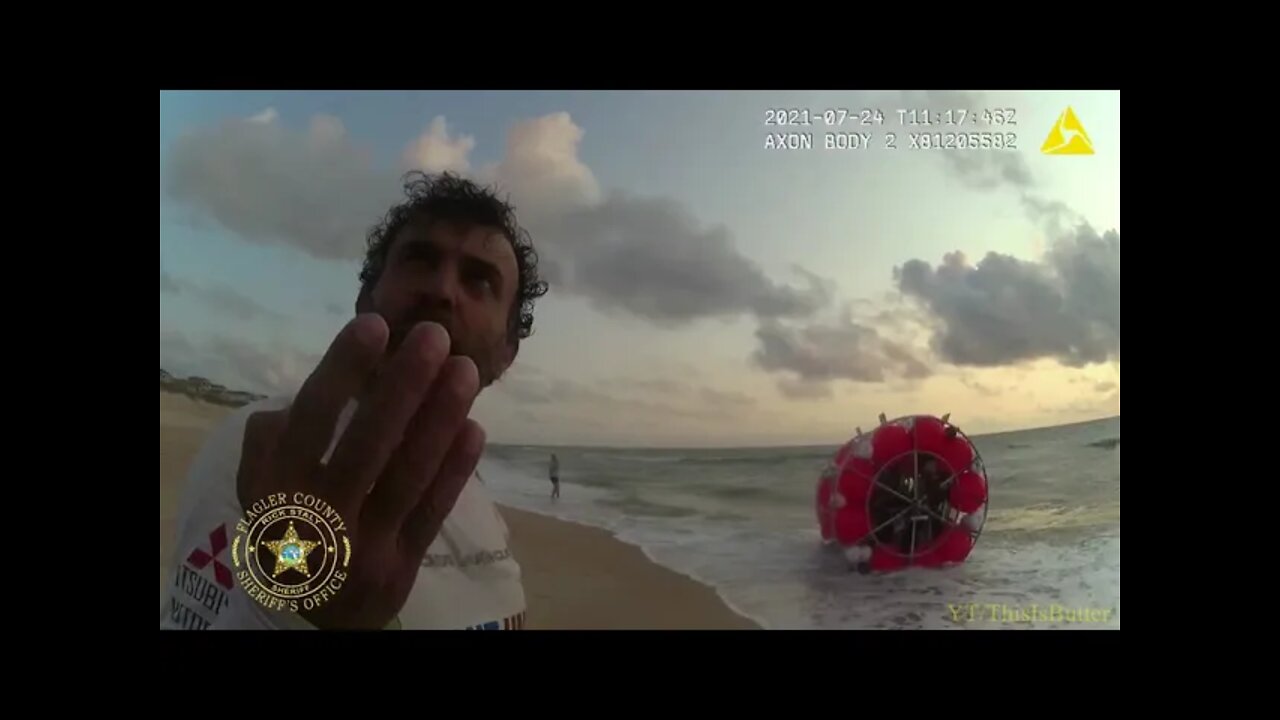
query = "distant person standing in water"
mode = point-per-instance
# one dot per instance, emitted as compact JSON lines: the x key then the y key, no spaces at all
{"x":555,"y":477}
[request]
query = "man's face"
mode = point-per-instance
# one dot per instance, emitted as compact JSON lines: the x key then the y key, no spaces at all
{"x":461,"y":276}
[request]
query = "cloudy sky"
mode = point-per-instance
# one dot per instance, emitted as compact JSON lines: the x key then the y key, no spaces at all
{"x":705,"y":289}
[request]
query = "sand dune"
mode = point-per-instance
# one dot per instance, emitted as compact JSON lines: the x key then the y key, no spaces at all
{"x":576,"y":577}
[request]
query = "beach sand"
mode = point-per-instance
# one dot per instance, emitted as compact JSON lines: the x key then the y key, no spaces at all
{"x":575,"y":576}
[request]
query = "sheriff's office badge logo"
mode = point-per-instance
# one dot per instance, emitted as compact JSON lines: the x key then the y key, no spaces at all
{"x":291,"y":556}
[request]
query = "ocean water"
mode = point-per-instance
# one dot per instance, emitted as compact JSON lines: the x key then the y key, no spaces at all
{"x":742,"y":521}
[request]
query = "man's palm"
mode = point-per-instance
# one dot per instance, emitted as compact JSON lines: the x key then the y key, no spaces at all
{"x":397,"y":470}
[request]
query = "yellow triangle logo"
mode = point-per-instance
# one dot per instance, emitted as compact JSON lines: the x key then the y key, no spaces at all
{"x":1067,"y":137}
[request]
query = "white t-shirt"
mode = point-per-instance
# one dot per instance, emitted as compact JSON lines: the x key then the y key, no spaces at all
{"x":468,"y":579}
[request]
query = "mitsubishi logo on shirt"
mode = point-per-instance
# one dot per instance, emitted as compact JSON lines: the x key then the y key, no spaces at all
{"x":199,"y":559}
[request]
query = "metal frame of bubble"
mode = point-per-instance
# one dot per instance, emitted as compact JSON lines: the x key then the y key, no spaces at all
{"x":898,"y":494}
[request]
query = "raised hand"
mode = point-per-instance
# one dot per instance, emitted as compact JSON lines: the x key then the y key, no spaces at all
{"x":398,"y":469}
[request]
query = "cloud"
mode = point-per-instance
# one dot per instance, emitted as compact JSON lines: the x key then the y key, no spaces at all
{"x":1005,"y":310}
{"x":1085,"y":407}
{"x":980,"y":169}
{"x":1055,"y":216}
{"x":981,"y":389}
{"x":539,"y":389}
{"x":804,"y":389}
{"x":870,"y":342}
{"x":725,"y":400}
{"x":662,"y":386}
{"x":1089,"y":268}
{"x":281,"y":370}
{"x":218,"y":297}
{"x":993,"y":169}
{"x":233,"y":303}
{"x":168,"y":284}
{"x":728,"y":400}
{"x":526,"y":384}
{"x":334,"y":308}
{"x":266,"y":117}
{"x":1002,"y":311}
{"x":1106,"y":387}
{"x":237,"y":364}
{"x":666,"y":366}
{"x":524,"y":390}
{"x":273,"y":185}
{"x":646,"y":256}
{"x":177,"y":354}
{"x":541,"y":169}
{"x":844,"y":350}
{"x":435,"y":151}
{"x":650,"y":257}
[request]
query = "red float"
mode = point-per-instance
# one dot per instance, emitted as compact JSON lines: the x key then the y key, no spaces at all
{"x":843,"y":453}
{"x":855,"y":480}
{"x":824,"y":507}
{"x":884,"y":560}
{"x":917,"y":482}
{"x":931,"y":559}
{"x":930,"y":432}
{"x":851,"y":525}
{"x":889,"y":442}
{"x":958,"y":454}
{"x":955,"y":546}
{"x":968,"y":492}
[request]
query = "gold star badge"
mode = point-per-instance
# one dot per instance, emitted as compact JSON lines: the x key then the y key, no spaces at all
{"x":291,"y":552}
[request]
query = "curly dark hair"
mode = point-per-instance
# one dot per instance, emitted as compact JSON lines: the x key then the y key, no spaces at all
{"x":452,"y":198}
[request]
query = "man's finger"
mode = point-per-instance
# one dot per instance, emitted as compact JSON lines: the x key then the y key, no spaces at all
{"x":380,"y":422}
{"x":345,"y":368}
{"x":424,"y":521}
{"x":426,"y":442}
{"x":262,"y":431}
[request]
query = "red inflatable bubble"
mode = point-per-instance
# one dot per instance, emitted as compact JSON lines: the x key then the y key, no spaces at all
{"x":955,"y":546}
{"x":968,"y":492}
{"x":861,"y":466}
{"x":883,"y":560}
{"x":909,"y":457}
{"x":930,"y":555}
{"x":823,"y":507}
{"x":855,"y":481}
{"x":931,"y":435}
{"x":889,"y":442}
{"x":851,"y":524}
{"x":843,"y":453}
{"x":958,"y":454}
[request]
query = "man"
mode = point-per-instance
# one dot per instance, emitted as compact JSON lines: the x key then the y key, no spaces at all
{"x":555,"y":477}
{"x":379,"y":431}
